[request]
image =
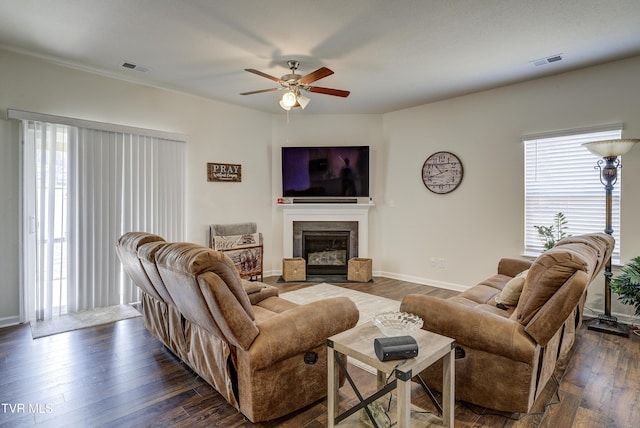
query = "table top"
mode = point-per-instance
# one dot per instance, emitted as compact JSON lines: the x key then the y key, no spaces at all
{"x":358,"y":343}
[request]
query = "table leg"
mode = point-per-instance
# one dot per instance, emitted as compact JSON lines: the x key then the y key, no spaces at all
{"x":381,"y":379}
{"x":332,"y":387}
{"x":404,"y":403}
{"x":448,"y":388}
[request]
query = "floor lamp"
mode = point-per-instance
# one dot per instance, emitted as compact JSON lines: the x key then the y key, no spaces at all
{"x":609,"y":150}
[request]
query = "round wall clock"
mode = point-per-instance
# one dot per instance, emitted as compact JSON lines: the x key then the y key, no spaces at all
{"x":442,"y":172}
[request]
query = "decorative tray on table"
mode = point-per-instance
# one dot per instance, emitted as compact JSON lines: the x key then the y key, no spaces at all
{"x":397,"y":323}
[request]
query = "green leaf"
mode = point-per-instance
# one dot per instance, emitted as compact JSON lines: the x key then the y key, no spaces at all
{"x":550,"y":235}
{"x":627,"y":284}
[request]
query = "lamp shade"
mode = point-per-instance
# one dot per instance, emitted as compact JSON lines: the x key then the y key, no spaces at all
{"x":610,"y":148}
{"x":303,"y":101}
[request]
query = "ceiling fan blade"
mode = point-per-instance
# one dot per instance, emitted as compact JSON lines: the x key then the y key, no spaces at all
{"x":328,"y":91}
{"x":316,"y":75}
{"x":260,"y":73}
{"x":260,"y":91}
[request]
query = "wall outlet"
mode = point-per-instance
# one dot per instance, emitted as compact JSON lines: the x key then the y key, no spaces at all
{"x":433,"y":262}
{"x":442,"y":263}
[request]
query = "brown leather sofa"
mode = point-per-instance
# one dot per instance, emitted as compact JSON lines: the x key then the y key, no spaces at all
{"x":266,"y":355}
{"x":510,"y":354}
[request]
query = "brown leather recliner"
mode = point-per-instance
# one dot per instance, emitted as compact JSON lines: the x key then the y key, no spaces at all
{"x":160,"y":314}
{"x":510,"y":354}
{"x":264,"y":354}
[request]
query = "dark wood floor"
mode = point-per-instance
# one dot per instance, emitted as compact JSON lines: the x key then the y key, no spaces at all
{"x":119,"y":375}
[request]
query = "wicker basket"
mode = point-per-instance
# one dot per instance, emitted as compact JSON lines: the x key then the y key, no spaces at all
{"x":294,"y":269}
{"x":359,"y":270}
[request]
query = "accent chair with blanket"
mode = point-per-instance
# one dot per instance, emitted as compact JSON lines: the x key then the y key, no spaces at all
{"x":243,"y":244}
{"x":510,"y":350}
{"x":265,"y":355}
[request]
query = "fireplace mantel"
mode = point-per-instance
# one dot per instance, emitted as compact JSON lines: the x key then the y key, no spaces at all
{"x":326,"y":212}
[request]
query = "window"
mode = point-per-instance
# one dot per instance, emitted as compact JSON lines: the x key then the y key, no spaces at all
{"x":561,"y":176}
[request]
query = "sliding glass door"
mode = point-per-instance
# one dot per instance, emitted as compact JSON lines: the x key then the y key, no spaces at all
{"x":46,"y":190}
{"x":82,"y":189}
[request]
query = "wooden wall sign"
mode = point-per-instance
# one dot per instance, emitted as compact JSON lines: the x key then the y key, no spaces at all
{"x":224,"y":172}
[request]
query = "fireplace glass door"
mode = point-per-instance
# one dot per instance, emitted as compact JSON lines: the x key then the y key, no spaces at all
{"x":326,"y":252}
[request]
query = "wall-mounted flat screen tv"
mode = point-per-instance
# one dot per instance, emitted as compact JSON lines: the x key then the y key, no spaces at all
{"x":325,"y":171}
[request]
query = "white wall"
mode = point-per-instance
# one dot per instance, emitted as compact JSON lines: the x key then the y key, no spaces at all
{"x":482,"y":220}
{"x":217,"y":132}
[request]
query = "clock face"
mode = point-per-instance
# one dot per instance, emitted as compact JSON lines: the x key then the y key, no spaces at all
{"x":442,"y":172}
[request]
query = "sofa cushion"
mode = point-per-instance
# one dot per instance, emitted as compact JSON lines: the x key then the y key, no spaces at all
{"x":480,"y":294}
{"x":485,"y":291}
{"x":127,"y":249}
{"x":192,"y":260}
{"x":251,"y":287}
{"x":551,"y":270}
{"x":510,"y":294}
{"x":556,"y":282}
{"x":586,"y":253}
{"x":147,"y":256}
{"x":226,"y":311}
{"x":601,"y":243}
{"x":207,"y":290}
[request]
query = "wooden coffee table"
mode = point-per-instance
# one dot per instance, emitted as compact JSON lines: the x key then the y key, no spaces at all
{"x":358,"y":343}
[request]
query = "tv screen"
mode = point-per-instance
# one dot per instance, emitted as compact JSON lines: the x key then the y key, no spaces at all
{"x":325,"y":171}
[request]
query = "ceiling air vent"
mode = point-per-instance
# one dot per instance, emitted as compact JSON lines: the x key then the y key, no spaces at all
{"x":547,"y":60}
{"x":136,"y":67}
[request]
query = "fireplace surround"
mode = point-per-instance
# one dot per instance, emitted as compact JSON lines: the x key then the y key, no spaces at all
{"x":325,"y":245}
{"x":329,"y":213}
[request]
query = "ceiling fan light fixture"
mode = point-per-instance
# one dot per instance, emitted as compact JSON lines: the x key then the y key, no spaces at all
{"x":289,"y":99}
{"x":284,"y":106}
{"x":293,"y":83}
{"x":303,"y":101}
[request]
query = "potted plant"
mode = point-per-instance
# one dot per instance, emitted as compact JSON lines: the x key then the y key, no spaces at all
{"x":627,"y":284}
{"x":550,"y":235}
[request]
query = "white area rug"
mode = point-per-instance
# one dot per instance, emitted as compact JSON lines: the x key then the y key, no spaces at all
{"x":82,"y":319}
{"x":368,"y":305}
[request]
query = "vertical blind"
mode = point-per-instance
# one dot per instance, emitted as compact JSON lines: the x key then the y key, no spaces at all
{"x":118,"y":182}
{"x":83,"y":188}
{"x":561,"y":176}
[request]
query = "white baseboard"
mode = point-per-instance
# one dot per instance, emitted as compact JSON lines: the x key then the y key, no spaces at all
{"x":9,"y":321}
{"x":424,"y":281}
{"x":408,"y":278}
{"x":272,"y":273}
{"x":622,"y":318}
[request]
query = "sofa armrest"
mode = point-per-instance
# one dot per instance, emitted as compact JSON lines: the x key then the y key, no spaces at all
{"x":300,"y":329}
{"x":472,"y":327}
{"x":512,"y":267}
{"x":258,"y":291}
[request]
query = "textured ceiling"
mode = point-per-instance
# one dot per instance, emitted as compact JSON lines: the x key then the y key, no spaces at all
{"x":391,"y":54}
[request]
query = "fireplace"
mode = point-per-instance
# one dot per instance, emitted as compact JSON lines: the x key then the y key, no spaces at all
{"x":325,"y":245}
{"x":329,"y":218}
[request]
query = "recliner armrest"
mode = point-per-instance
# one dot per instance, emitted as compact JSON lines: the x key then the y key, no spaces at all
{"x":300,"y":329}
{"x":512,"y":267}
{"x":472,"y":327}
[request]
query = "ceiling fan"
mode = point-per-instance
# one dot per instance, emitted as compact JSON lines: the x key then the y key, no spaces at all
{"x":293,"y":83}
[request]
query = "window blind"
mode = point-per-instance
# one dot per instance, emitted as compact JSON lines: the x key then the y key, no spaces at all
{"x":561,"y":176}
